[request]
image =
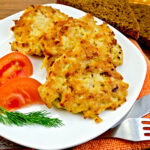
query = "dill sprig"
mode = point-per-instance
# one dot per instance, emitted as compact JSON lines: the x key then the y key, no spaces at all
{"x":31,"y":118}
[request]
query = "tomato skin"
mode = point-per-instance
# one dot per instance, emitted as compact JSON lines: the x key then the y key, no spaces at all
{"x":19,"y":92}
{"x":13,"y":65}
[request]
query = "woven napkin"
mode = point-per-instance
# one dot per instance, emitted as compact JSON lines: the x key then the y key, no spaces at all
{"x":119,"y":144}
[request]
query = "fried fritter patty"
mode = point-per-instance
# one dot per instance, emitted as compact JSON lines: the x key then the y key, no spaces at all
{"x":81,"y":82}
{"x":82,"y":30}
{"x":32,"y":25}
{"x":80,"y":56}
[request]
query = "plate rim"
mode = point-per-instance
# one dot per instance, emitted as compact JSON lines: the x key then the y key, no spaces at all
{"x":53,"y":5}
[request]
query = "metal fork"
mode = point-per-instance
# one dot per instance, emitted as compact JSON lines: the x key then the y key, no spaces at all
{"x":132,"y":129}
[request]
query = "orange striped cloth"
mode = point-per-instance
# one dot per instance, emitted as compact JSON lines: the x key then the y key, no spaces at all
{"x":118,"y":144}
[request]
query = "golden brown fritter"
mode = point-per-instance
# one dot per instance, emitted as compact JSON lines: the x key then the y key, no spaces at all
{"x":79,"y":81}
{"x":80,"y":58}
{"x":32,"y":25}
{"x":79,"y":31}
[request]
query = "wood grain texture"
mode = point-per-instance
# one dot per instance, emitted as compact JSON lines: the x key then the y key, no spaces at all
{"x":9,"y":7}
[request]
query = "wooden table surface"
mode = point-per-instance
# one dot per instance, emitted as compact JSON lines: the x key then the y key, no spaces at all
{"x":9,"y":7}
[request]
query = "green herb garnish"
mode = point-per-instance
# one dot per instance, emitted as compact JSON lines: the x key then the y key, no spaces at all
{"x":32,"y":118}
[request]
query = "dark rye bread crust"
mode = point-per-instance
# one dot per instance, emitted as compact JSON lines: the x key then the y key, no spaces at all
{"x":142,"y":13}
{"x":115,"y":12}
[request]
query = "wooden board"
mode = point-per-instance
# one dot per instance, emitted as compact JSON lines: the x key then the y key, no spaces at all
{"x":9,"y":7}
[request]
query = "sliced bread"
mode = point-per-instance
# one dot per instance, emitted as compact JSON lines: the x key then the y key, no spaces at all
{"x":142,"y":13}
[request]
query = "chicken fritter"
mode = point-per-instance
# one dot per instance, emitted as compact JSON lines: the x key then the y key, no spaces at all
{"x":32,"y":25}
{"x":80,"y":57}
{"x":42,"y":28}
{"x":81,"y":82}
{"x":76,"y":31}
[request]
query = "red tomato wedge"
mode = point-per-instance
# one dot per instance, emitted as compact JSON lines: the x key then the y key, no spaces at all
{"x":19,"y":92}
{"x":14,"y":65}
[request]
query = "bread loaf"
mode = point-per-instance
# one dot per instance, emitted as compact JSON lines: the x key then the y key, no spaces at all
{"x":142,"y":13}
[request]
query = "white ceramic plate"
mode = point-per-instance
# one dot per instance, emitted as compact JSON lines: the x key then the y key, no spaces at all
{"x":76,"y":130}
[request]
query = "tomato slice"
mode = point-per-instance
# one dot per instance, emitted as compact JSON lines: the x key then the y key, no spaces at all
{"x":19,"y":92}
{"x":14,"y":65}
